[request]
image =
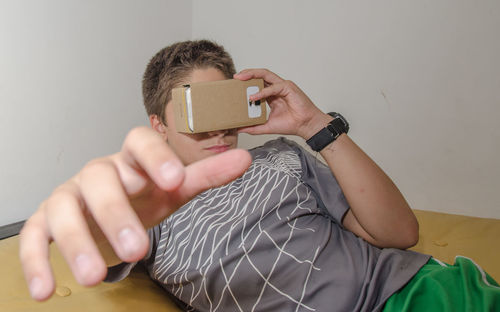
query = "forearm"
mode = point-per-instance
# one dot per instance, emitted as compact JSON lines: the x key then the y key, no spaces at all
{"x":376,"y":203}
{"x":378,"y":211}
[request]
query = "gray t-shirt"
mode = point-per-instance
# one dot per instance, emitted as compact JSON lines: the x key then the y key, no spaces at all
{"x":273,"y":240}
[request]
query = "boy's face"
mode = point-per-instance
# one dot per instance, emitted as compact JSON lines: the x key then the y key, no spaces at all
{"x":193,"y":147}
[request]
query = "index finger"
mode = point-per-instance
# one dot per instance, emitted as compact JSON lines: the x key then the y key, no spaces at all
{"x":268,"y":76}
{"x":144,"y":150}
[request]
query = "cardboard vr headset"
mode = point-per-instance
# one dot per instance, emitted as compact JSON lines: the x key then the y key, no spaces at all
{"x":218,"y":105}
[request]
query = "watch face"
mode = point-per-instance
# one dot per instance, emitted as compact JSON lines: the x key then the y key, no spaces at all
{"x":341,"y":118}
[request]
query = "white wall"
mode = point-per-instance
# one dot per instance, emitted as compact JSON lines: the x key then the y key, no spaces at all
{"x":418,"y":80}
{"x":70,"y":74}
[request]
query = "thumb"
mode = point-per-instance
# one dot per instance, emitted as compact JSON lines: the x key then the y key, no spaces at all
{"x":259,"y":129}
{"x":212,"y":172}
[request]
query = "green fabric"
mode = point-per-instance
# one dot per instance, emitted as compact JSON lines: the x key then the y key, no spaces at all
{"x":441,"y":287}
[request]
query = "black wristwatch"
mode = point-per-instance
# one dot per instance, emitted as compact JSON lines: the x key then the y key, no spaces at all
{"x":329,"y":133}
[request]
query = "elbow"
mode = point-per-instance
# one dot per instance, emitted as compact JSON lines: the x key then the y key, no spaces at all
{"x":409,"y":229}
{"x":416,"y":234}
{"x":412,"y":239}
{"x":406,"y":235}
{"x":411,"y":235}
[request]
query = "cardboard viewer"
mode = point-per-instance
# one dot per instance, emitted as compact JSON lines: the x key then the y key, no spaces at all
{"x":218,"y":105}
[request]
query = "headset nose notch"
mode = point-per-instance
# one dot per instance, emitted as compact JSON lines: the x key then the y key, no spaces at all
{"x":218,"y":132}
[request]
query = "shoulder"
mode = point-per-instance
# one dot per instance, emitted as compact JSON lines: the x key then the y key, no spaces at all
{"x":276,"y":146}
{"x":280,"y":154}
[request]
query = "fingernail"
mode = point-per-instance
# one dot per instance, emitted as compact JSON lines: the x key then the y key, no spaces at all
{"x":36,"y":287}
{"x":172,"y":173}
{"x":84,"y":266}
{"x":129,"y":241}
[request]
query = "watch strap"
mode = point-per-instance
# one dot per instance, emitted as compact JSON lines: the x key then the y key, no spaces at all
{"x":329,"y":133}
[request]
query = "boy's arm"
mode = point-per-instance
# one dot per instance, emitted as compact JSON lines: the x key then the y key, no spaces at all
{"x":378,"y":212}
{"x":98,"y":217}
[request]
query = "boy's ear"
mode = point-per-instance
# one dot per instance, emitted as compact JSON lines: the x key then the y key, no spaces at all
{"x":158,"y":125}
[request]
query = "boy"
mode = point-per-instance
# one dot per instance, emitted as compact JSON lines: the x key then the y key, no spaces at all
{"x":271,"y":230}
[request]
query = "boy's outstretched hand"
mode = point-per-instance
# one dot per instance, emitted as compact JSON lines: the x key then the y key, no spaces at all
{"x":97,"y":218}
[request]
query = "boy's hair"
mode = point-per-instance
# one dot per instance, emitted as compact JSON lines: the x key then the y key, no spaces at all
{"x":171,"y":66}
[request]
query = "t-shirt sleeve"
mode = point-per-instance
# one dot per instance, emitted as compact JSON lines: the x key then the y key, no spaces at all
{"x":118,"y":272}
{"x":320,"y":179}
